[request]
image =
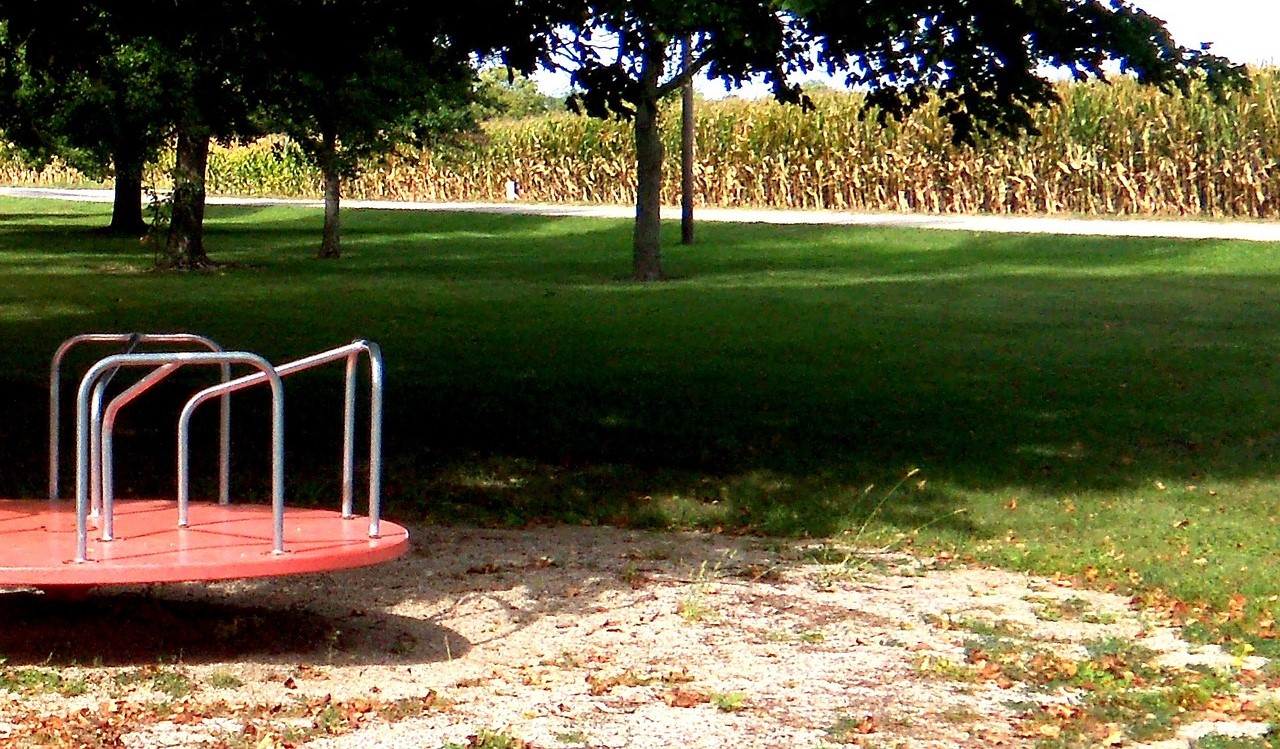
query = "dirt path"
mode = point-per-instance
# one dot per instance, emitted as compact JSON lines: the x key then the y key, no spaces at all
{"x":592,"y":637}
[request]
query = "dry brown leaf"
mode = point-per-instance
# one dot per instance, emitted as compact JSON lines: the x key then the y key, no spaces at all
{"x":678,"y":697}
{"x":1062,"y":712}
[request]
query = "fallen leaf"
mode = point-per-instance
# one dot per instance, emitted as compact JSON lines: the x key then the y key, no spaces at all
{"x":1062,"y":712}
{"x":1114,"y":737}
{"x":1235,"y":607}
{"x":865,"y":726}
{"x":678,"y":697}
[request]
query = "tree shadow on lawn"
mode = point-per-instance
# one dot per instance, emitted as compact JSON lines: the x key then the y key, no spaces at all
{"x":774,"y":384}
{"x":36,"y":220}
{"x":231,"y":231}
{"x":1075,"y":386}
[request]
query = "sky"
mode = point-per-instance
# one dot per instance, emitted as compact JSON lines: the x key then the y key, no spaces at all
{"x":1242,"y":30}
{"x":1245,"y":31}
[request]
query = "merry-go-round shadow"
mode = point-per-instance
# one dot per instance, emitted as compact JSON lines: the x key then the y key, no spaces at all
{"x":138,"y":627}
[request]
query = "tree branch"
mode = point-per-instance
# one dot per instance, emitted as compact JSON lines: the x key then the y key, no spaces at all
{"x":678,"y":81}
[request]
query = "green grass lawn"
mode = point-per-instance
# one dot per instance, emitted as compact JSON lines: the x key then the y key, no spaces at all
{"x":1078,"y":405}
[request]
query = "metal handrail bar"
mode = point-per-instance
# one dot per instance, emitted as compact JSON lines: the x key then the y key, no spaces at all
{"x":102,"y":433}
{"x":55,"y":376}
{"x":95,"y":477}
{"x":350,"y":353}
{"x":83,"y":398}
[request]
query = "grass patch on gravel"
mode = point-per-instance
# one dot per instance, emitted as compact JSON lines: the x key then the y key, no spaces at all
{"x":40,"y":681}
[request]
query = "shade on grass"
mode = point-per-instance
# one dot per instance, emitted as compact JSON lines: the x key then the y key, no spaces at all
{"x":1069,"y":402}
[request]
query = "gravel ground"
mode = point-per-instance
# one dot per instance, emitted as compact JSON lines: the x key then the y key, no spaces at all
{"x":558,"y":637}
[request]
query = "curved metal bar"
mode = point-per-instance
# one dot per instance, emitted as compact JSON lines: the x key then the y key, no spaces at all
{"x":55,"y":378}
{"x":95,"y":498}
{"x":272,"y":375}
{"x":105,"y":426}
{"x":347,"y":353}
{"x":98,"y":370}
{"x":376,"y":374}
{"x":349,"y":437}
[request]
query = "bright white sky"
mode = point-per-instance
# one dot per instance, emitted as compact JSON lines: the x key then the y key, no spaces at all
{"x":1245,"y":31}
{"x":1242,"y":30}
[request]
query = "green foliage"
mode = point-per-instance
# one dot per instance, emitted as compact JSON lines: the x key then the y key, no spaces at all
{"x":487,"y":738}
{"x":167,"y":680}
{"x":39,"y":681}
{"x":375,"y":87}
{"x":78,"y":86}
{"x":224,"y":680}
{"x":729,"y":702}
{"x":985,"y":58}
{"x":506,"y":94}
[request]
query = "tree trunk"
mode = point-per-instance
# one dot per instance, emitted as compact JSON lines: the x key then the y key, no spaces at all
{"x":687,"y":134}
{"x":330,"y":244}
{"x":185,"y":247}
{"x":647,"y":251}
{"x":126,"y":211}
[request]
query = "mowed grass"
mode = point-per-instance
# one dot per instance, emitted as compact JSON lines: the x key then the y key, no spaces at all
{"x":1098,"y":407}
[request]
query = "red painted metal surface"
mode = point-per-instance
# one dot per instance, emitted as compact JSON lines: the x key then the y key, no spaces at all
{"x":222,"y":542}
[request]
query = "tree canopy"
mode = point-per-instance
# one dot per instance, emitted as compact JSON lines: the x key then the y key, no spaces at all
{"x":375,"y":87}
{"x":506,"y":93}
{"x":106,"y":81}
{"x":221,"y":50}
{"x":988,"y":61}
{"x":75,"y":84}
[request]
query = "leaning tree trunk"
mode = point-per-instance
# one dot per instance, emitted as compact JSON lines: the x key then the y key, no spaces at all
{"x":126,"y":210}
{"x":185,"y":247}
{"x":331,"y":241}
{"x":647,"y":252}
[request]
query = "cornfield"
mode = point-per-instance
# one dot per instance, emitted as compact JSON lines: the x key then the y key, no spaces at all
{"x":1116,"y":148}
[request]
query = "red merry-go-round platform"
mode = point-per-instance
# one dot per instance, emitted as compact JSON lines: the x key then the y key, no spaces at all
{"x":68,"y":546}
{"x":221,"y":542}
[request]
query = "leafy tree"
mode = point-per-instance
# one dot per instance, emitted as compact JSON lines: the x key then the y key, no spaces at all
{"x":620,"y":57}
{"x":392,"y":73}
{"x":348,"y":78}
{"x":986,"y":59}
{"x":75,"y":86}
{"x":505,"y":93}
{"x":219,"y":54}
{"x":377,"y":87}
